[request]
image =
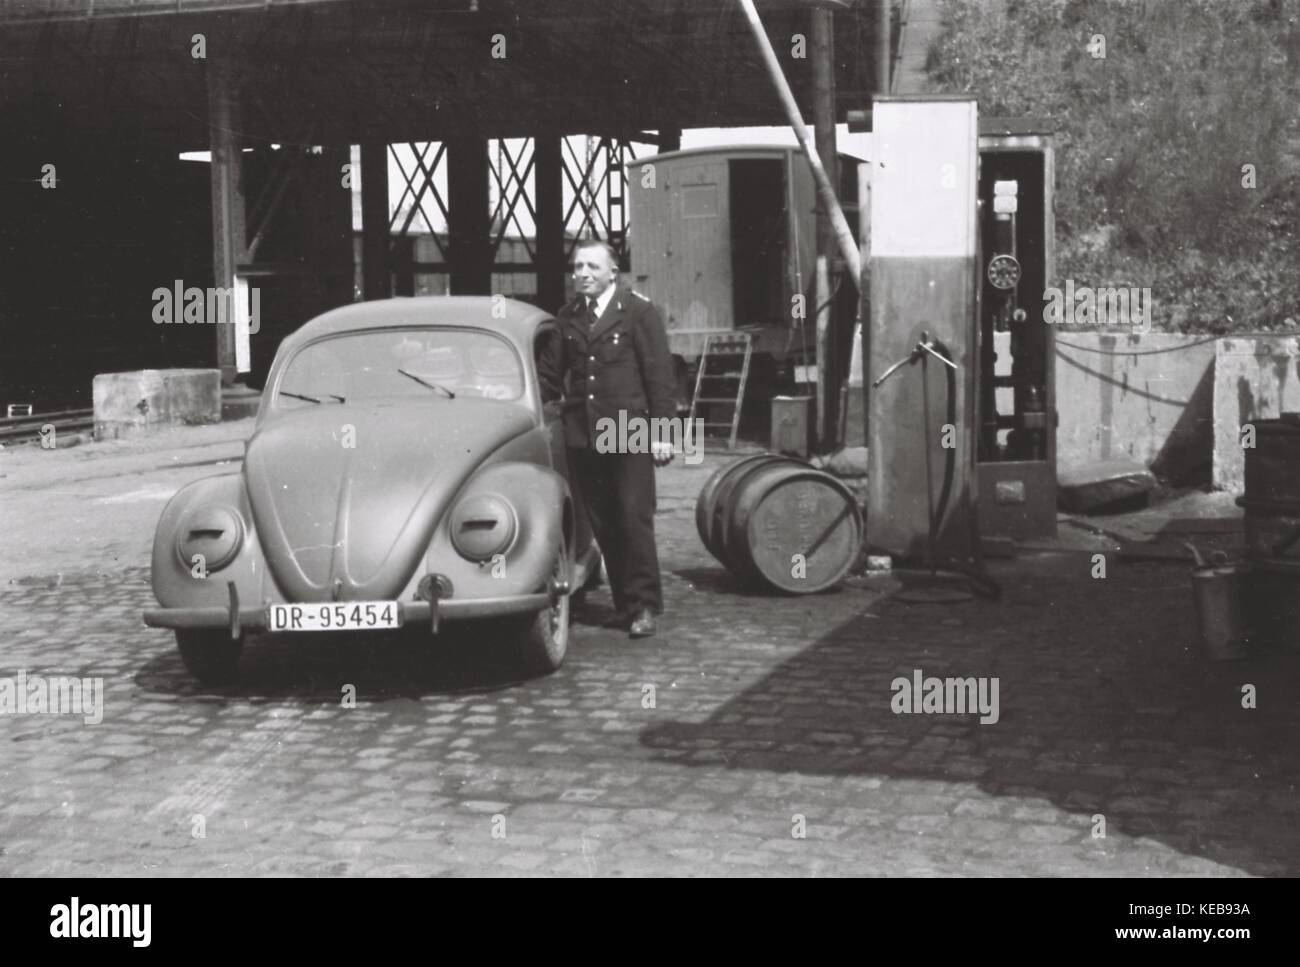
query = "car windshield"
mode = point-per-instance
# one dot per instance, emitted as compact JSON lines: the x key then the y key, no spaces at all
{"x":433,"y":363}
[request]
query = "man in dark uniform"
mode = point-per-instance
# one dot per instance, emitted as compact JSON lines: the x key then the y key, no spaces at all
{"x":614,"y":351}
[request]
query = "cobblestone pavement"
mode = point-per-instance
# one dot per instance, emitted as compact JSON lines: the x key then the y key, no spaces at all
{"x":771,"y":718}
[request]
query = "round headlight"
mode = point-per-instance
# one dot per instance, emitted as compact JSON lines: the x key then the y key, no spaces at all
{"x":482,"y":525}
{"x":214,"y":532}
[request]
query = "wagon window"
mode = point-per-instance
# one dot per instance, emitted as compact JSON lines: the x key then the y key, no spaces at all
{"x":402,"y":362}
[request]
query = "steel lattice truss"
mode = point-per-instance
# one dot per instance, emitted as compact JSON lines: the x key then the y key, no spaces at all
{"x":419,"y":181}
{"x":513,"y":186}
{"x":595,"y":193}
{"x":603,"y":170}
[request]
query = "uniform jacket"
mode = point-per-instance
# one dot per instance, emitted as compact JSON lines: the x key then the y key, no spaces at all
{"x":621,"y":363}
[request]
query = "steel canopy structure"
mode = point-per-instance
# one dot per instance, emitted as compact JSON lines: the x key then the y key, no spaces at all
{"x":408,"y":70}
{"x":110,"y":92}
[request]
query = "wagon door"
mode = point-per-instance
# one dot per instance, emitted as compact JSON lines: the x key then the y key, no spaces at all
{"x":699,"y":247}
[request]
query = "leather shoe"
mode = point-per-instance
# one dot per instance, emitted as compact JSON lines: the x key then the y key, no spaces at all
{"x":643,"y":625}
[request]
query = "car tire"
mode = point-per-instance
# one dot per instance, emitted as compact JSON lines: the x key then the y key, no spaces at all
{"x":545,"y":639}
{"x":210,"y":655}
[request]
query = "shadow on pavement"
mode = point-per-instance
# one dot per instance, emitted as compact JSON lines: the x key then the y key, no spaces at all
{"x":409,"y":663}
{"x":316,"y":667}
{"x":1105,"y":708}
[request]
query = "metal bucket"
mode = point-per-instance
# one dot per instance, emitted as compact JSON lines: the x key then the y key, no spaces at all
{"x":1217,"y":590}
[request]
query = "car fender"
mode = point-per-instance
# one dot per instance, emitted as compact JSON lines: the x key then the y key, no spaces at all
{"x":543,"y":508}
{"x":176,"y":583}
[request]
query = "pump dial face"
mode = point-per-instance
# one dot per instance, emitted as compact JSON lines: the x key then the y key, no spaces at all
{"x":1004,"y":272}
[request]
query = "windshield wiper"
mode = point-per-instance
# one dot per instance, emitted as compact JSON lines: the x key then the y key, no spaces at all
{"x":425,"y":382}
{"x":311,"y":399}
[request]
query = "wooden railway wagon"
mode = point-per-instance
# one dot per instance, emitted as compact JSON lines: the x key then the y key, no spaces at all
{"x":722,"y":239}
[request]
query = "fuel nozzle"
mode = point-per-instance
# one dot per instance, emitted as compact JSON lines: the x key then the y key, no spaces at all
{"x":923,"y":346}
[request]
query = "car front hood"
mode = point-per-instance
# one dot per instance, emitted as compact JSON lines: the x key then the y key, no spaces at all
{"x":346,"y":498}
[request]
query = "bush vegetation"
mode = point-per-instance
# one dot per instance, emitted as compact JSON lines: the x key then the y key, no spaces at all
{"x":1152,"y":140}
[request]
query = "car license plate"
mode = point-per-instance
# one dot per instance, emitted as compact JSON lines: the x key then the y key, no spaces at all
{"x":334,"y":616}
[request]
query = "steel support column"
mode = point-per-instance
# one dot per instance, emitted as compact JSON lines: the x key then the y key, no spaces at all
{"x":376,"y":277}
{"x":228,"y":239}
{"x":336,"y":229}
{"x":823,"y":104}
{"x":548,"y":186}
{"x":883,"y":40}
{"x":467,"y":217}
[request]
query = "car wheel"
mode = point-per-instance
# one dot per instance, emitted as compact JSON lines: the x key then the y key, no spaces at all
{"x":545,"y":635}
{"x":210,"y":655}
{"x":546,"y":638}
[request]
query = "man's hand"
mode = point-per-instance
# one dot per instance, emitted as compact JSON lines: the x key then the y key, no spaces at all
{"x":662,"y":452}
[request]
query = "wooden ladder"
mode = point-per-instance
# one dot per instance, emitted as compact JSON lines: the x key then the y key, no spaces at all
{"x":723,"y":346}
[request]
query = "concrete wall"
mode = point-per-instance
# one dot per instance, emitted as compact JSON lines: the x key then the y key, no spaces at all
{"x":1155,"y":408}
{"x":1258,"y":377}
{"x":1174,"y":403}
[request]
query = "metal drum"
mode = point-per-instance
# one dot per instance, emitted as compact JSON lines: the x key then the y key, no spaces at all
{"x":711,"y":504}
{"x":763,"y":511}
{"x":1272,"y":524}
{"x":1272,"y":500}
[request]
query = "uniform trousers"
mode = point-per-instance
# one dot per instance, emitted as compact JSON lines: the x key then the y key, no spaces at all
{"x":618,"y":490}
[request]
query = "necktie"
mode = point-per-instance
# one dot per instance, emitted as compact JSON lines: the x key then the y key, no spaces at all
{"x":591,"y":311}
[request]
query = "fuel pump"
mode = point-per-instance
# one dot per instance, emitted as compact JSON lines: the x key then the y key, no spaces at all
{"x":961,"y":250}
{"x":1026,"y":437}
{"x":921,"y":435}
{"x":1016,"y":453}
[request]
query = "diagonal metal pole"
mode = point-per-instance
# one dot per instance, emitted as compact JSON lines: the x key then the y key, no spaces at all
{"x":929,"y":472}
{"x":826,"y":191}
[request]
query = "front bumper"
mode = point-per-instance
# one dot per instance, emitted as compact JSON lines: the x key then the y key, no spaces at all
{"x":240,"y":619}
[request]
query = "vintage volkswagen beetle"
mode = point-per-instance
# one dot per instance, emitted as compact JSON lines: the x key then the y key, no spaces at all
{"x":403,"y":470}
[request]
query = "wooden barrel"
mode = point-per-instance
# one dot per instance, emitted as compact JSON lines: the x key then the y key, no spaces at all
{"x":778,"y":522}
{"x":715,"y":495}
{"x":1272,"y":498}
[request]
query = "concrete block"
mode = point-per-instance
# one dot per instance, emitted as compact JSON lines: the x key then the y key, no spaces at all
{"x":1102,"y":483}
{"x":1256,"y":377}
{"x":130,"y":404}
